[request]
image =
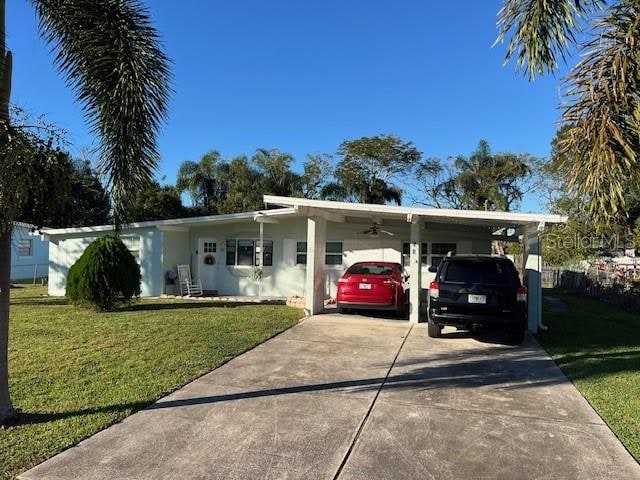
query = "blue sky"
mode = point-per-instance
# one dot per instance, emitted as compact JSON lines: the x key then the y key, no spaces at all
{"x":302,"y":76}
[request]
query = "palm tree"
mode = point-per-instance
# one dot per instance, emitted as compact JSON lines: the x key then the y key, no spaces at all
{"x":109,"y":53}
{"x":602,"y":96}
{"x":201,"y":179}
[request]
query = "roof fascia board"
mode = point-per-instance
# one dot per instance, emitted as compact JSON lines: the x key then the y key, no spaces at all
{"x":177,"y":222}
{"x":424,"y":212}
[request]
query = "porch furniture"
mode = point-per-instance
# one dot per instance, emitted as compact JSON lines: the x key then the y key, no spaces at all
{"x":187,"y":285}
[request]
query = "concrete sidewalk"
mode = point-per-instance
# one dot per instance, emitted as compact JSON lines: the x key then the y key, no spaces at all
{"x":357,"y":398}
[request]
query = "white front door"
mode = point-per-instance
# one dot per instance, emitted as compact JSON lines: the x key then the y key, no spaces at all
{"x":208,"y":263}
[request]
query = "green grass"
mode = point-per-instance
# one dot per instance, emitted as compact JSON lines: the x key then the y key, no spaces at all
{"x":74,"y":372}
{"x":598,"y":348}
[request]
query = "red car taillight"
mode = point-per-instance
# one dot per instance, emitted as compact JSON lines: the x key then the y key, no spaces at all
{"x":522,"y":294}
{"x":434,"y":289}
{"x":389,"y":281}
{"x":343,"y":280}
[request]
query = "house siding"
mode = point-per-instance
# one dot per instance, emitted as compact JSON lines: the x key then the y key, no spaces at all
{"x":24,"y":268}
{"x":161,"y":251}
{"x":65,"y":251}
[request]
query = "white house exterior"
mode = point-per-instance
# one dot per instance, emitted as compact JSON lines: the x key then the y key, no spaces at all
{"x":307,"y":245}
{"x":29,"y":253}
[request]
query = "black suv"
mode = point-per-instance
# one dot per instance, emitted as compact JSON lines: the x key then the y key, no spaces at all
{"x":473,"y":291}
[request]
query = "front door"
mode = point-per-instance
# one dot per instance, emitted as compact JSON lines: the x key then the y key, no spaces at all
{"x":208,"y":263}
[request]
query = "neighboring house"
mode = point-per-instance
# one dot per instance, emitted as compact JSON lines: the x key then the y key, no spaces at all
{"x":29,"y":253}
{"x":305,"y":245}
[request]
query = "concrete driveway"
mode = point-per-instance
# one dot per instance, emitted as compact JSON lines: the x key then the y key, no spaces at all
{"x":352,"y":397}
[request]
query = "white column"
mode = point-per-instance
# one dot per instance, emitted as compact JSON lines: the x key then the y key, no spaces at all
{"x":533,"y":276}
{"x":314,"y":285}
{"x":415,"y":271}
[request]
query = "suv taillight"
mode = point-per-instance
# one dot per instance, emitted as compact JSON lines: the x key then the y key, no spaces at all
{"x":522,"y":294}
{"x":434,"y":289}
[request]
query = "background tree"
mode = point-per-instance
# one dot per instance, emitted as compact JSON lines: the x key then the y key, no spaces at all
{"x":201,"y":180}
{"x":601,"y":94}
{"x":243,"y":187}
{"x":87,"y":201}
{"x":158,"y":202}
{"x":277,"y":178}
{"x":368,"y":167}
{"x":317,"y":173}
{"x":109,"y":53}
{"x":482,"y":181}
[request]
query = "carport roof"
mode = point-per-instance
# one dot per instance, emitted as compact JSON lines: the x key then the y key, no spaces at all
{"x":437,"y":215}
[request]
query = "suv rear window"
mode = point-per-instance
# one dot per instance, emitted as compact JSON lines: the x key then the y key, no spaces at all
{"x":496,"y":273}
{"x":370,"y":269}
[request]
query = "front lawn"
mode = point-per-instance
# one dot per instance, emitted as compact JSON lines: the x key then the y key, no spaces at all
{"x":74,"y":372}
{"x":598,"y":348}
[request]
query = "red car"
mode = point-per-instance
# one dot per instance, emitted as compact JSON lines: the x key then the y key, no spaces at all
{"x":373,"y":286}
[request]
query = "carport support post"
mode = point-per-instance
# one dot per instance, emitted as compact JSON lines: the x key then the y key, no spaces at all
{"x":533,"y":275}
{"x":415,"y":270}
{"x":314,"y":285}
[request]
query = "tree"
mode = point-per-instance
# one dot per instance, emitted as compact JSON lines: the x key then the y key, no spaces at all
{"x":584,"y":236}
{"x":109,"y":53}
{"x":367,"y":168}
{"x":243,"y":183}
{"x":201,"y":180}
{"x":156,"y":202}
{"x":87,"y":202}
{"x":601,"y":93}
{"x":317,"y":172}
{"x":277,"y":178}
{"x":483,"y":181}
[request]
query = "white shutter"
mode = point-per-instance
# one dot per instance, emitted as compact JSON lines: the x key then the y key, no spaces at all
{"x":289,"y":252}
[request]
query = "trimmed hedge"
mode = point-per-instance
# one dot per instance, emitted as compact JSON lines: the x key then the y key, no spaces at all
{"x":106,"y":275}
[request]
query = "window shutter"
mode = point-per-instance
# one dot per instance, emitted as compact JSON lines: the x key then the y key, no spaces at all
{"x":289,"y":252}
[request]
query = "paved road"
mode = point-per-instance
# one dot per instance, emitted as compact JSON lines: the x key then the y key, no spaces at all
{"x":350,"y":397}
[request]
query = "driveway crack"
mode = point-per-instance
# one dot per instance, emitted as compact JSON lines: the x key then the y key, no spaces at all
{"x":345,"y":459}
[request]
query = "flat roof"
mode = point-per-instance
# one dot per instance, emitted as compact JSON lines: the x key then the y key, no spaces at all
{"x":291,"y":206}
{"x":178,"y":222}
{"x":441,"y":215}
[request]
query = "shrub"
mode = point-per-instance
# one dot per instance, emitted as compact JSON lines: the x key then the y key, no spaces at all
{"x":105,"y":275}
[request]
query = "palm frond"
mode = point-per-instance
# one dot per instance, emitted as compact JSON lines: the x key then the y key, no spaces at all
{"x":541,"y":31}
{"x":602,"y":116}
{"x":110,"y":55}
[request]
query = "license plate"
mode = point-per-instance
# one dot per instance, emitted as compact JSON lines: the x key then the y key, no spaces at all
{"x":365,"y":286}
{"x":477,"y":298}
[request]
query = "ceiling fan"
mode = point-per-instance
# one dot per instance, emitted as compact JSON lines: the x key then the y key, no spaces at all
{"x":374,"y":231}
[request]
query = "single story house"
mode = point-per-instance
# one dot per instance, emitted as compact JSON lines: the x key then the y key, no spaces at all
{"x":29,"y":253}
{"x":304,"y":246}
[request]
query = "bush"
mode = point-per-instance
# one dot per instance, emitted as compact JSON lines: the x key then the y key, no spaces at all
{"x":106,"y":275}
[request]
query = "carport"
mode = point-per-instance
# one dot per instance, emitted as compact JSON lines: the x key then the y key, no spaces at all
{"x":473,"y":226}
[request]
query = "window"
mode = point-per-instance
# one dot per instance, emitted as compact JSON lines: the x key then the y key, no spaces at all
{"x":133,"y":245}
{"x":439,"y":251}
{"x":301,"y":253}
{"x":488,"y":272}
{"x":208,"y":247}
{"x":267,"y":256}
{"x":370,"y":269}
{"x":25,"y":247}
{"x":406,"y":257}
{"x":247,"y":253}
{"x":333,"y":253}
